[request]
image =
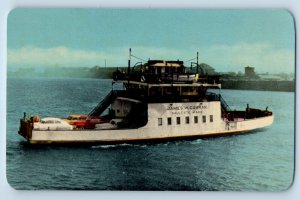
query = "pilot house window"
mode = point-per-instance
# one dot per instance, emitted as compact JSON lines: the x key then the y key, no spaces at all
{"x":211,"y":119}
{"x":159,"y":121}
{"x":169,"y":120}
{"x":204,"y":119}
{"x":187,"y":120}
{"x":196,"y":119}
{"x":178,"y":120}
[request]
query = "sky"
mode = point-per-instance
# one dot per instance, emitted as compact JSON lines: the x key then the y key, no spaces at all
{"x":226,"y":39}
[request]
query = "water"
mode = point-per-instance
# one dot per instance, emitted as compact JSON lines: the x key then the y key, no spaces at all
{"x":260,"y":161}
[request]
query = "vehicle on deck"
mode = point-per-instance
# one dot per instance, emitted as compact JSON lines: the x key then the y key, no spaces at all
{"x":51,"y":123}
{"x":74,"y":118}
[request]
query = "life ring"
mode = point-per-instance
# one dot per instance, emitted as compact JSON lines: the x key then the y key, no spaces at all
{"x":143,"y":79}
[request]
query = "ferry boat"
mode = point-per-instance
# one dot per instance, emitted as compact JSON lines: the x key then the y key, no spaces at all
{"x":161,"y":100}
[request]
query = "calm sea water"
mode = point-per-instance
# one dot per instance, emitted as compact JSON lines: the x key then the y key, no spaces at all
{"x":260,"y":161}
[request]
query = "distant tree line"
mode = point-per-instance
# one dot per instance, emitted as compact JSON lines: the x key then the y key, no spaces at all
{"x":79,"y":72}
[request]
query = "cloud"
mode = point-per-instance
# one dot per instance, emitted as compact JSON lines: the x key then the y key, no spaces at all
{"x":264,"y":57}
{"x":63,"y":56}
{"x":35,"y":56}
{"x":158,"y":53}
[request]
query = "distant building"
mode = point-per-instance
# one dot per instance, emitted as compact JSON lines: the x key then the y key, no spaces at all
{"x":249,"y":71}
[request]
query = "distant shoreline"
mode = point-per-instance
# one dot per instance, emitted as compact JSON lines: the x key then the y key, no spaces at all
{"x":97,"y":72}
{"x":261,"y":85}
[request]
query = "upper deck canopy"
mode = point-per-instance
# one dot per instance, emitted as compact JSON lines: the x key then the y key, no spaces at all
{"x":163,"y":63}
{"x":149,"y":85}
{"x":163,"y":73}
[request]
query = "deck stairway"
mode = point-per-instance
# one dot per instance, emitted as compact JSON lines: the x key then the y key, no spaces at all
{"x":217,"y":97}
{"x":102,"y":105}
{"x":224,"y":104}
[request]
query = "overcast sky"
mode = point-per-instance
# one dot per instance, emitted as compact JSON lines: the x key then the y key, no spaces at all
{"x":228,"y":40}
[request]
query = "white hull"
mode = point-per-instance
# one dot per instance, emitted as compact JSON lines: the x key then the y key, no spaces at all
{"x":148,"y":133}
{"x":154,"y":109}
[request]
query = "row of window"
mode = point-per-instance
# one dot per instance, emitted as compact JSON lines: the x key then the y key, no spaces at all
{"x":187,"y":120}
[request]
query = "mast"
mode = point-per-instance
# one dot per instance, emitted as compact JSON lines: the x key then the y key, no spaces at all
{"x":197,"y":61}
{"x":129,"y":58}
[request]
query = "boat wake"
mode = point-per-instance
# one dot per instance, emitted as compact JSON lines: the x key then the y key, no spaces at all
{"x":108,"y":146}
{"x":197,"y":141}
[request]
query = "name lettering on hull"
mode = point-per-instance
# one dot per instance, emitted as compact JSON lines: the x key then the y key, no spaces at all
{"x":186,"y":112}
{"x":183,"y":110}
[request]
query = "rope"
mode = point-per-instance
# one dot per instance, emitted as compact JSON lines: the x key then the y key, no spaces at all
{"x":191,"y":59}
{"x":138,"y":58}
